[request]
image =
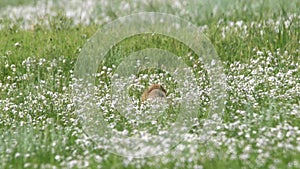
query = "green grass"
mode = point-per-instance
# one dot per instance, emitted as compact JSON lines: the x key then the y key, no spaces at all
{"x":5,"y":3}
{"x":259,"y":128}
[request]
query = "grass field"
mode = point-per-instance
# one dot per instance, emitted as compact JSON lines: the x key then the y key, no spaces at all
{"x":258,"y":43}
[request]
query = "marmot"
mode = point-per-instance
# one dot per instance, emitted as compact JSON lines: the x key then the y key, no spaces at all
{"x":154,"y":91}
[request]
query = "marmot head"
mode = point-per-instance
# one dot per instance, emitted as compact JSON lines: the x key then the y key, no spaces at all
{"x":154,"y":91}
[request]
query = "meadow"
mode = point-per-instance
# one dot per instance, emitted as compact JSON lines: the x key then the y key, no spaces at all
{"x":257,"y":42}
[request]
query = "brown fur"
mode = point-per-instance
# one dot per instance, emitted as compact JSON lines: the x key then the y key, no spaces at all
{"x":153,"y":91}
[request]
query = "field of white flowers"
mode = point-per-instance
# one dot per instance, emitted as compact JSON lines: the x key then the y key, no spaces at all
{"x":40,"y":120}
